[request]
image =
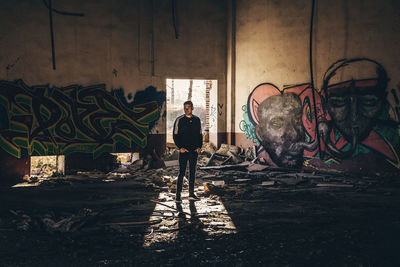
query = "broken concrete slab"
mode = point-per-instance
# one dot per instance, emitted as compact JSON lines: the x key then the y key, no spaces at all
{"x":218,"y":159}
{"x":224,"y":148}
{"x":171,"y":163}
{"x":234,"y":157}
{"x":208,"y":149}
{"x":251,"y":153}
{"x":202,"y":160}
{"x":254,"y":167}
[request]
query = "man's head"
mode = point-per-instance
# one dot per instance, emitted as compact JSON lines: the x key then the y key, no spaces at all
{"x":188,"y":108}
{"x":280,"y":129}
{"x":355,"y":93}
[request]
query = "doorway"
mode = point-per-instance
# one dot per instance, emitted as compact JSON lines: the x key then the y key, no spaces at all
{"x":47,"y":166}
{"x":203,"y":94}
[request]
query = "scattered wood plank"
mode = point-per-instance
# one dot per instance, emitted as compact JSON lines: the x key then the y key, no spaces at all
{"x":242,"y":180}
{"x":334,"y":185}
{"x":225,"y":161}
{"x":242,"y":165}
{"x":257,"y":167}
{"x":267,"y":183}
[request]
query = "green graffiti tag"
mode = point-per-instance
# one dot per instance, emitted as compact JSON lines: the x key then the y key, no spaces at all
{"x":247,"y":127}
{"x":47,"y":121}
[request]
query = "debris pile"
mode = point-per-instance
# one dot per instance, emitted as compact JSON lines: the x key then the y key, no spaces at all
{"x":245,"y":207}
{"x":50,"y":222}
{"x":211,"y":156}
{"x":70,"y":223}
{"x":228,"y":164}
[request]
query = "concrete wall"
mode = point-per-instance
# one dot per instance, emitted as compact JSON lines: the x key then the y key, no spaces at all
{"x":117,"y":44}
{"x":256,"y":49}
{"x":272,"y":47}
{"x":113,"y":35}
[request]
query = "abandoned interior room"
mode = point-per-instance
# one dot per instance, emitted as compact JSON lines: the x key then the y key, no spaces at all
{"x":299,"y":108}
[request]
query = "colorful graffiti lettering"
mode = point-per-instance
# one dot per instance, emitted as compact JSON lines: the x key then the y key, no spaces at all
{"x":147,"y":95}
{"x":353,"y":117}
{"x":47,"y":121}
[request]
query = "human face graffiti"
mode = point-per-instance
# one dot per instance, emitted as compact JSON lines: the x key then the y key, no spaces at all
{"x":280,"y":130}
{"x":349,"y":117}
{"x":354,"y":104}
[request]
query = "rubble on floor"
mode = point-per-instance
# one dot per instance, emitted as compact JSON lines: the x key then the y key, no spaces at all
{"x":214,"y":188}
{"x":208,"y":149}
{"x":211,"y":156}
{"x":248,"y":213}
{"x":218,"y":171}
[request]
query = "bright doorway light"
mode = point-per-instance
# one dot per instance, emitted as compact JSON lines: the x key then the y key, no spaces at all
{"x":46,"y":166}
{"x":203,"y":94}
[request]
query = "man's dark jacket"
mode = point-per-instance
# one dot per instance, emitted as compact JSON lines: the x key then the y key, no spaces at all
{"x":187,"y":132}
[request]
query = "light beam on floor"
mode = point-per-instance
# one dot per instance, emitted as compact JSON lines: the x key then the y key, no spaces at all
{"x":211,"y":213}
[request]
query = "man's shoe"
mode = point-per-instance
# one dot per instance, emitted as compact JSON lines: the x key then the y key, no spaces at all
{"x":178,"y":199}
{"x":194,"y":197}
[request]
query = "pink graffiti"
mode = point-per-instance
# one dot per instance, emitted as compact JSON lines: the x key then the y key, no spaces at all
{"x":374,"y":141}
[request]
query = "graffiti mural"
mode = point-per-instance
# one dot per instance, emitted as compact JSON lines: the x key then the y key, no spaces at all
{"x":46,"y":121}
{"x":348,"y":117}
{"x":147,"y":95}
{"x":280,"y":130}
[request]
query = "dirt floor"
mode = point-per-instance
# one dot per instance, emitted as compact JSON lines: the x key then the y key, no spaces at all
{"x":272,"y":217}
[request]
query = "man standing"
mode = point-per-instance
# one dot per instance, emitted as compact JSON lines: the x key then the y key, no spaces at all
{"x":189,"y":139}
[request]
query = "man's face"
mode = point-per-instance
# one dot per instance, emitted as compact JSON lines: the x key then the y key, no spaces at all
{"x":355,"y":92}
{"x":353,"y":105}
{"x":280,"y":129}
{"x":188,"y":109}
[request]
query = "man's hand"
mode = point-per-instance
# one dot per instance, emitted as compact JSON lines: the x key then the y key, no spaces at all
{"x":183,"y":150}
{"x":197,"y":150}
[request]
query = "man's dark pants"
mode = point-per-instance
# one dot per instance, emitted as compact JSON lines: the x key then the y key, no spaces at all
{"x":190,"y":156}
